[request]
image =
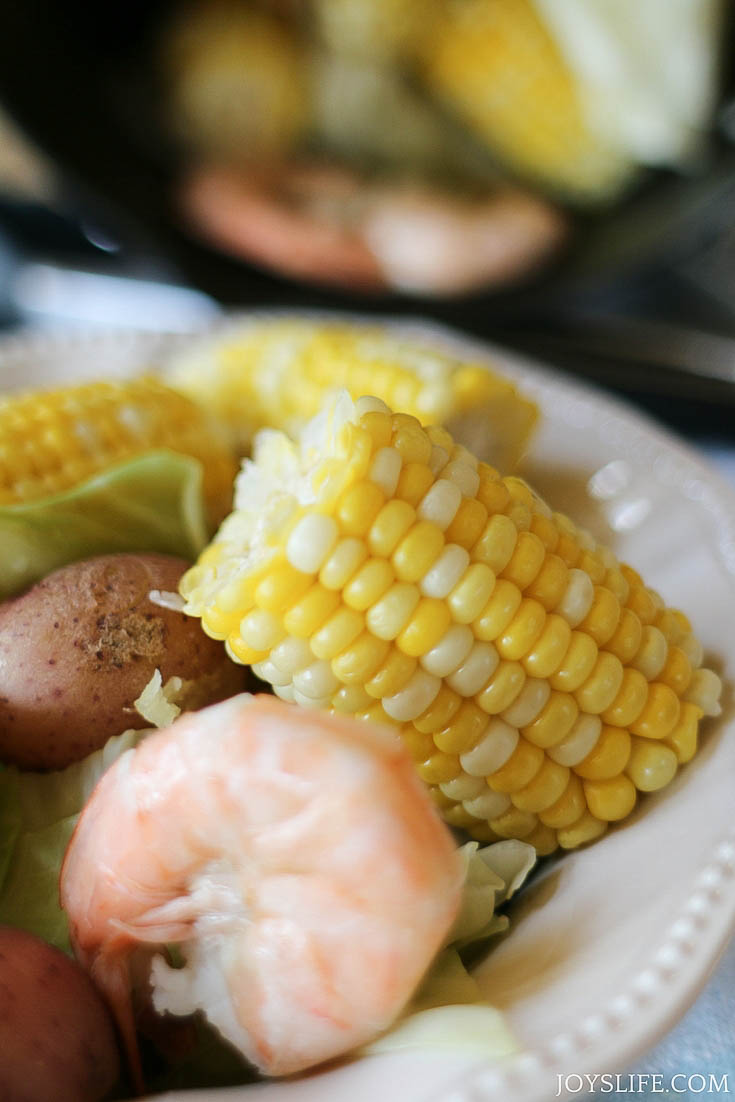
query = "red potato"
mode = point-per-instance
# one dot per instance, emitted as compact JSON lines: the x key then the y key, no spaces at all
{"x":78,"y":649}
{"x":56,"y":1034}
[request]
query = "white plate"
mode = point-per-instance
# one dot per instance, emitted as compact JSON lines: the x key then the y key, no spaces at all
{"x":610,"y":945}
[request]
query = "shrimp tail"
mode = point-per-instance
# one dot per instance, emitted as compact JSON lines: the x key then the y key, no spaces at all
{"x":111,"y":974}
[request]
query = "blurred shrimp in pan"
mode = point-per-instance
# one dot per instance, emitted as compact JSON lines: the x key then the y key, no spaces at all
{"x":323,"y":222}
{"x":293,"y":856}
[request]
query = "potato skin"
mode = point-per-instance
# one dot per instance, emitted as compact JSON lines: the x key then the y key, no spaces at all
{"x":56,"y":1034}
{"x":78,"y":648}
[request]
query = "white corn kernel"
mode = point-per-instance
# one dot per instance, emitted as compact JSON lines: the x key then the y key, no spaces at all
{"x":581,"y":739}
{"x":305,"y":701}
{"x":464,"y":787}
{"x":388,"y":616}
{"x":292,"y":654}
{"x":462,"y":475}
{"x":461,"y":454}
{"x":693,"y":649}
{"x":261,"y":630}
{"x":368,"y":403}
{"x":311,"y":542}
{"x":490,"y":805}
{"x":704,"y":691}
{"x":348,"y":555}
{"x":450,"y":652}
{"x":385,"y":470}
{"x":498,"y":742}
{"x":440,"y":503}
{"x":476,"y":670}
{"x":285,"y":692}
{"x":438,"y":459}
{"x":316,"y":681}
{"x":652,"y":653}
{"x":414,"y":698}
{"x":529,"y":702}
{"x":268,"y":671}
{"x":577,"y":599}
{"x":446,"y":571}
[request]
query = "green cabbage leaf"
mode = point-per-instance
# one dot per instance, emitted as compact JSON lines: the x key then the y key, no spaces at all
{"x":151,"y":503}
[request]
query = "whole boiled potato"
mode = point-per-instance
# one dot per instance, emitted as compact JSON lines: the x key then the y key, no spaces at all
{"x":56,"y":1034}
{"x":78,"y":648}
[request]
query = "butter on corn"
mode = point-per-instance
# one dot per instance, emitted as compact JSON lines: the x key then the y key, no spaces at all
{"x":53,"y":440}
{"x":277,"y":373}
{"x":377,"y":568}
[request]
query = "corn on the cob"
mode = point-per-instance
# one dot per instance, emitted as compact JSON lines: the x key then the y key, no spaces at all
{"x":52,"y":440}
{"x":495,"y":64}
{"x":277,"y":373}
{"x":378,"y":569}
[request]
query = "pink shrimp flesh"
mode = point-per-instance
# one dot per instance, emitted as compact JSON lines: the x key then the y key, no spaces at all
{"x":294,"y":856}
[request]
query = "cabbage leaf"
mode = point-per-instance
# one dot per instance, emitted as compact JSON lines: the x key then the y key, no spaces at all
{"x":151,"y":503}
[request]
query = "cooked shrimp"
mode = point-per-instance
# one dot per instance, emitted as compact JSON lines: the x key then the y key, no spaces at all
{"x":295,"y":858}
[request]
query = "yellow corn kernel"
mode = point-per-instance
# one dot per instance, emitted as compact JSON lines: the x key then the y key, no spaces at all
{"x":426,"y":627}
{"x":586,"y":829}
{"x":591,"y":564}
{"x":603,"y":617}
{"x":414,"y":482}
{"x":660,"y":713}
{"x":641,"y":602}
{"x":218,"y":624}
{"x":608,"y":757}
{"x":547,"y":653}
{"x":334,"y":636}
{"x":392,"y":676}
{"x":568,"y":549}
{"x":439,"y":713}
{"x":519,"y":770}
{"x":496,"y":544}
{"x":468,"y":524}
{"x":683,"y":738}
{"x":543,"y":840}
{"x":526,"y":561}
{"x":520,"y":514}
{"x":669,"y":625}
{"x":359,"y":662}
{"x":309,"y":613}
{"x":651,"y":765}
{"x":470,"y":595}
{"x":417,"y":551}
{"x":439,"y":768}
{"x":549,"y":585}
{"x":554,"y":722}
{"x":602,"y":686}
{"x":466,"y":724}
{"x":457,"y":816}
{"x":545,"y":789}
{"x":491,"y":492}
{"x":282,"y":586}
{"x":348,"y":555}
{"x":442,"y":801}
{"x":358,"y":507}
{"x":612,"y":799}
{"x":677,"y":671}
{"x":568,"y":807}
{"x":522,"y":632}
{"x":261,"y":630}
{"x":544,"y":527}
{"x":577,"y":664}
{"x":390,"y":526}
{"x":368,"y":584}
{"x":389,"y":615}
{"x":500,"y":609}
{"x":412,"y":444}
{"x":630,"y":701}
{"x":350,"y":699}
{"x":378,"y":424}
{"x":502,"y":688}
{"x":514,"y":823}
{"x":625,"y":641}
{"x":418,"y":744}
